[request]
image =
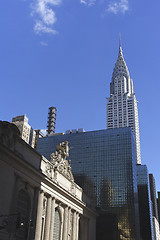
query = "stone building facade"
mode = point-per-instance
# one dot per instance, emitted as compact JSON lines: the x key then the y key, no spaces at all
{"x":39,"y":198}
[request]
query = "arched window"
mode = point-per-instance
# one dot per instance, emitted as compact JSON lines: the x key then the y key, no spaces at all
{"x":23,"y":215}
{"x":57,"y":223}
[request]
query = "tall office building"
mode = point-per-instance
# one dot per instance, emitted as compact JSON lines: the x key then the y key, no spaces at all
{"x":22,"y":123}
{"x":156,"y":228}
{"x":155,"y":217}
{"x":104,"y":165}
{"x":145,"y":203}
{"x":153,"y":196}
{"x":122,"y":104}
{"x":27,"y":133}
{"x":158,"y":204}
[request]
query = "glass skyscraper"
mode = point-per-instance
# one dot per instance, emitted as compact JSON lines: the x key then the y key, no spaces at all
{"x":153,"y":196}
{"x":104,"y":164}
{"x":145,"y":205}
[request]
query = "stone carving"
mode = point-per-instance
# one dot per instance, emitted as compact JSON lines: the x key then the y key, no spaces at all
{"x":49,"y":170}
{"x":60,"y":162}
{"x":8,"y":134}
{"x":62,"y":152}
{"x":73,"y":188}
{"x":44,"y":206}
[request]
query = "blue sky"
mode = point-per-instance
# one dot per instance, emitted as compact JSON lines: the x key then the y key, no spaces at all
{"x":62,"y":53}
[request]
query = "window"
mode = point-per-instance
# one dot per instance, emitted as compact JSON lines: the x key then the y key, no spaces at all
{"x":56,"y":233}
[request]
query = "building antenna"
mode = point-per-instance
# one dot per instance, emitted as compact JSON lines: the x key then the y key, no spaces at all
{"x":120,"y":40}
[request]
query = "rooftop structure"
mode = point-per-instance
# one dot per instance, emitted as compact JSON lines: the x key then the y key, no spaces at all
{"x":51,"y":120}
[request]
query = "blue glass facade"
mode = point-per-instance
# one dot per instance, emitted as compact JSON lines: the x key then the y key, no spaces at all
{"x":153,"y":196}
{"x":104,"y":165}
{"x":145,"y":208}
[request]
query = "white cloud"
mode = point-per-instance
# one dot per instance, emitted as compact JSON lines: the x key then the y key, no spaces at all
{"x":45,"y":44}
{"x":40,"y":27}
{"x":44,"y":15}
{"x":88,"y":2}
{"x":118,"y":7}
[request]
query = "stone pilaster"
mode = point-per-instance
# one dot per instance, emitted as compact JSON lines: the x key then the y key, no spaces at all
{"x":52,"y":219}
{"x":47,"y":219}
{"x":39,"y":216}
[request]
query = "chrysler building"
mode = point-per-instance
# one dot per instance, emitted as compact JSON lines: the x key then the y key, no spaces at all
{"x":122,"y":108}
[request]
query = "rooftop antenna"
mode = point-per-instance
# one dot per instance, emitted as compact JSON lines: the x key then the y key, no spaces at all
{"x":120,"y":40}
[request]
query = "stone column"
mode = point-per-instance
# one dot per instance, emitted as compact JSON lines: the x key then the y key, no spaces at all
{"x":69,"y":224}
{"x":77,"y":226}
{"x":61,"y":224}
{"x":39,"y":216}
{"x":52,"y":219}
{"x":47,"y":219}
{"x":74,"y":226}
{"x":65,"y":224}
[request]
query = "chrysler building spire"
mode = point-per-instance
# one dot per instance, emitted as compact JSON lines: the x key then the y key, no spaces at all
{"x":120,"y":46}
{"x":121,"y":70}
{"x":120,"y":55}
{"x":122,"y":104}
{"x":119,"y":40}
